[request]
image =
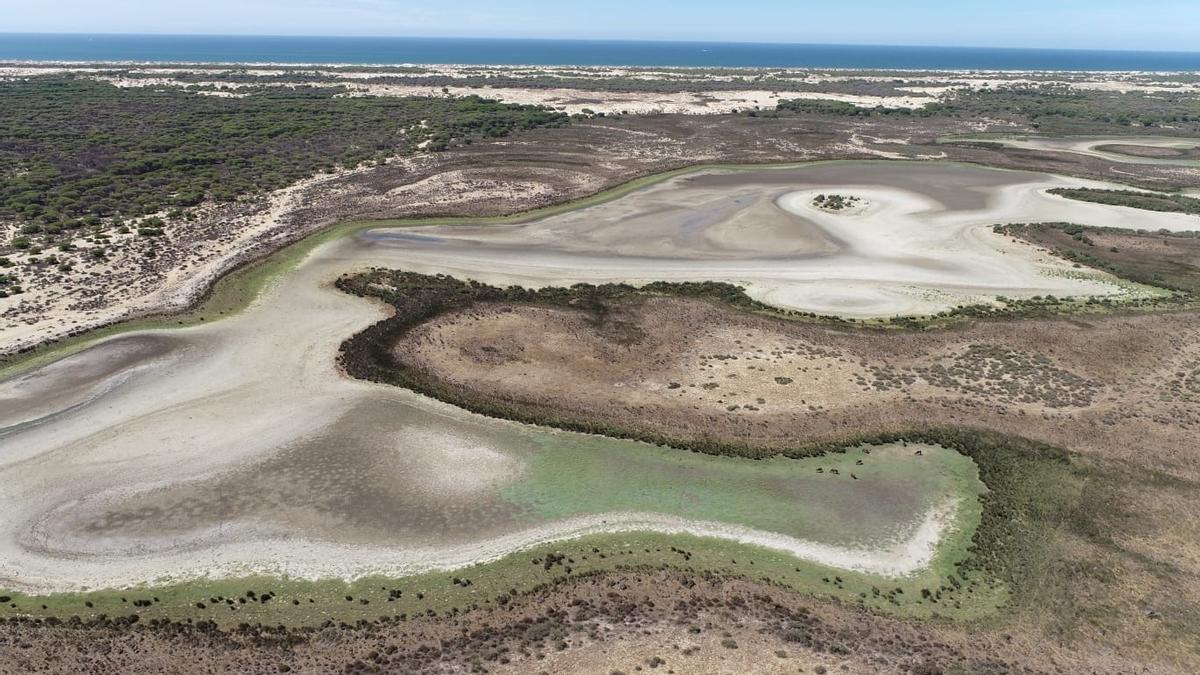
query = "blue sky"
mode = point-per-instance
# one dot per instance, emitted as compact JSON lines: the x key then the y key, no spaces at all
{"x":1100,"y":24}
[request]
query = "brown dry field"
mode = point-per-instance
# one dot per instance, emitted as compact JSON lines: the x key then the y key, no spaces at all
{"x":653,"y":621}
{"x":1120,"y":387}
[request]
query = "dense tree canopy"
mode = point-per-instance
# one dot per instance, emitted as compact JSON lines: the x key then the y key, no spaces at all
{"x":75,"y":152}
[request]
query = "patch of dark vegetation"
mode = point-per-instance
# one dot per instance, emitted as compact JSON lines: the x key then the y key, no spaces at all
{"x":806,"y":106}
{"x":76,"y":153}
{"x":835,"y":202}
{"x":1163,"y":259}
{"x":1059,"y":108}
{"x":1148,"y":201}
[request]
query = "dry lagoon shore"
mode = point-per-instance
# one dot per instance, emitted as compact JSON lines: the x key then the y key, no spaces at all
{"x":237,"y":446}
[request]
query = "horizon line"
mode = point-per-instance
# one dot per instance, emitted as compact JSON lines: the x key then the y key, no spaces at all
{"x":605,"y":40}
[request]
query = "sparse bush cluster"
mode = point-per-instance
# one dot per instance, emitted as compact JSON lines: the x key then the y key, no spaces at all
{"x":835,"y":202}
{"x":1184,"y":384}
{"x":996,"y":373}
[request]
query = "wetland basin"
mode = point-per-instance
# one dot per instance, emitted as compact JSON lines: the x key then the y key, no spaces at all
{"x":237,"y":447}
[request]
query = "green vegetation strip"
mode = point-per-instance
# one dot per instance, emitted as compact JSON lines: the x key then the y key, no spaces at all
{"x":1148,"y":201}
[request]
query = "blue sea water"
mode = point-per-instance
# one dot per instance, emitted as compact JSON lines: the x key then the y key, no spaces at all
{"x":377,"y":50}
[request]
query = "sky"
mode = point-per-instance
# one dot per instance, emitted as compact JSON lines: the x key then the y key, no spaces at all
{"x":1070,"y":24}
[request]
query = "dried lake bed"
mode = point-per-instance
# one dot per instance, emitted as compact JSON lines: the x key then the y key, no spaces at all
{"x":237,"y":447}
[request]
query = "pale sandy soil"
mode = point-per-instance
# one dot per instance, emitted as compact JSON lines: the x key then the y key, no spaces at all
{"x":641,"y":103}
{"x":243,"y":550}
{"x":576,"y":101}
{"x":918,"y":80}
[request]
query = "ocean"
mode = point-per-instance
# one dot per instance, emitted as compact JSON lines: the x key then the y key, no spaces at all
{"x":375,"y":50}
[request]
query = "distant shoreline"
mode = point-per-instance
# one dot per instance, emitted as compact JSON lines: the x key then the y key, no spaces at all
{"x":183,"y":65}
{"x":377,"y":51}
